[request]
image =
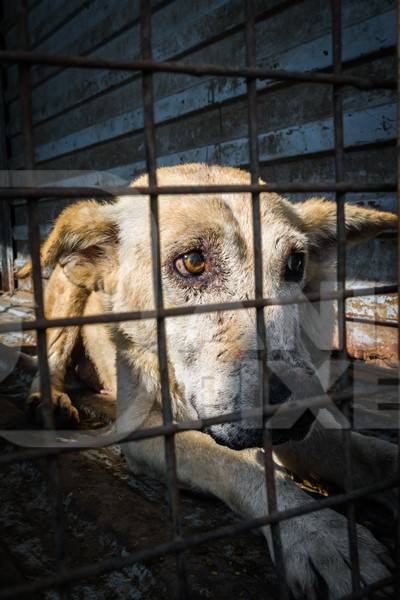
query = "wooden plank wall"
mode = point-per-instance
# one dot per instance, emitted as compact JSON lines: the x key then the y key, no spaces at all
{"x":90,"y":123}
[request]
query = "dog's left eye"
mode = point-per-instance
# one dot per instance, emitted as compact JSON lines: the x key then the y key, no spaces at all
{"x":189,"y":264}
{"x":294,"y":269}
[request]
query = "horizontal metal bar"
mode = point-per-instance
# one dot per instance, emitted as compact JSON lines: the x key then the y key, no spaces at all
{"x":179,"y":311}
{"x":10,"y":193}
{"x":377,"y":322}
{"x":112,"y":564}
{"x":198,"y":70}
{"x":104,"y":440}
{"x":367,"y":590}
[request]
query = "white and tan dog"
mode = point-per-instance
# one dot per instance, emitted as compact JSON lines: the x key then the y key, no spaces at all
{"x":101,"y":255}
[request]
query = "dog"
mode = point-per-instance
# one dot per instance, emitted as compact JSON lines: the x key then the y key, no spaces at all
{"x":100,"y":254}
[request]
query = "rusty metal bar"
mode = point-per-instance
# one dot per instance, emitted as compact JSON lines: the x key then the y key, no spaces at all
{"x":97,"y":569}
{"x":367,"y":591}
{"x":335,"y":399}
{"x":38,"y":192}
{"x":341,"y":280}
{"x":6,"y":239}
{"x":6,"y":248}
{"x":197,"y":70}
{"x":168,"y":417}
{"x":38,"y":324}
{"x":263,"y":371}
{"x":172,"y":428}
{"x":376,"y":322}
{"x":33,"y":224}
{"x":34,"y":247}
{"x":341,"y":277}
{"x":397,"y":579}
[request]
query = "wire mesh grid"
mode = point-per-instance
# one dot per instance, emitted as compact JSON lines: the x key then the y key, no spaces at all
{"x":273,"y":517}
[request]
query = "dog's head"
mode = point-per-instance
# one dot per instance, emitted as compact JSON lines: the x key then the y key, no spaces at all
{"x":207,"y":257}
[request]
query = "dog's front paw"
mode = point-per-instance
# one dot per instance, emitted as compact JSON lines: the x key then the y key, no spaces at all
{"x":317,"y":557}
{"x":65,"y":414}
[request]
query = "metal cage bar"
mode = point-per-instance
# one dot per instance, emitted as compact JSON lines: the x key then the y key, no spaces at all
{"x":263,"y":374}
{"x":397,"y":581}
{"x":37,"y":324}
{"x":269,"y":411}
{"x":169,"y":429}
{"x":150,"y":142}
{"x":197,"y":70}
{"x":336,"y":6}
{"x":6,"y":241}
{"x":53,"y":471}
{"x":51,"y":192}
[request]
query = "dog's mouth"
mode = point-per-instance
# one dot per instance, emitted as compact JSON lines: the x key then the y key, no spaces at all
{"x":284,"y":426}
{"x":239,"y":436}
{"x":235,"y":436}
{"x":289,"y":386}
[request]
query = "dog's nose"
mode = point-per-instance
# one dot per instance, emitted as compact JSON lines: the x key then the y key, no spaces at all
{"x":278,"y":391}
{"x":304,"y":384}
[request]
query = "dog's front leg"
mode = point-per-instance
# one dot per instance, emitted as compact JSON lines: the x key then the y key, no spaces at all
{"x":60,"y":344}
{"x":315,"y":546}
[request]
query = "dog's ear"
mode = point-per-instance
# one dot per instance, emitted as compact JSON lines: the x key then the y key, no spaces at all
{"x":319,"y":219}
{"x":82,"y":240}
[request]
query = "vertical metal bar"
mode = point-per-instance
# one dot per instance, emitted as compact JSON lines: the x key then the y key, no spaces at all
{"x":341,"y":275}
{"x":34,"y":246}
{"x":258,"y":278}
{"x":397,"y":581}
{"x":6,"y":238}
{"x":6,"y":248}
{"x":33,"y":224}
{"x":149,"y":133}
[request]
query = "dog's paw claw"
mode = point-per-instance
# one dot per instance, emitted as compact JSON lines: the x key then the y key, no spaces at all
{"x":65,"y":414}
{"x":321,"y":561}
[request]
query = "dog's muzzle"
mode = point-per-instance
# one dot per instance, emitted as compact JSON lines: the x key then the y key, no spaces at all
{"x":284,"y":425}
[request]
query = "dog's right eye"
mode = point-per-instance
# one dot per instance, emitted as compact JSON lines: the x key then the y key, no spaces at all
{"x":294,"y":269}
{"x":191,"y":264}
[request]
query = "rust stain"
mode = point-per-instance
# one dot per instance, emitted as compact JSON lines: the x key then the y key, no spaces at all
{"x":373,"y":307}
{"x":374,"y":344}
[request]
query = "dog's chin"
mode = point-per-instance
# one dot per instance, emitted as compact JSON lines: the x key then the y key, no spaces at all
{"x":238,"y":436}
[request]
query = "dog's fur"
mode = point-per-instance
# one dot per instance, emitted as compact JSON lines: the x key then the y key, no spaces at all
{"x":101,"y":255}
